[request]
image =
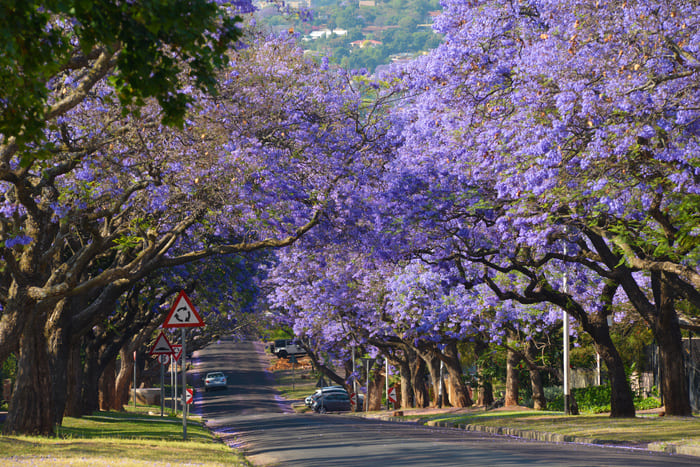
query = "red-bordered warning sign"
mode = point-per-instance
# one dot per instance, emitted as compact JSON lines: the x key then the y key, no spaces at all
{"x":177,"y":351}
{"x":190,"y":396}
{"x":392,"y":395}
{"x":162,"y":346}
{"x":183,"y":314}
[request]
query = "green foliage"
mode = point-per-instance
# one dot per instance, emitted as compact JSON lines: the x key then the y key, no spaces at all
{"x":593,"y":399}
{"x":152,"y":44}
{"x":402,"y":26}
{"x":9,"y":368}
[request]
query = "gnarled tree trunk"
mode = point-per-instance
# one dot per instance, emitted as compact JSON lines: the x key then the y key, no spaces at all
{"x":512,"y":373}
{"x":31,"y":408}
{"x":539,"y":401}
{"x":457,"y":391}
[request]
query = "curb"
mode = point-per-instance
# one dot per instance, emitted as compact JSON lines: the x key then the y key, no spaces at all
{"x":667,"y":448}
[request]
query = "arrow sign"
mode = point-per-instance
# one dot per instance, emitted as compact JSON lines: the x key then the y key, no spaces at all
{"x":162,"y":346}
{"x":190,"y":396}
{"x":183,"y":314}
{"x":391,"y":395}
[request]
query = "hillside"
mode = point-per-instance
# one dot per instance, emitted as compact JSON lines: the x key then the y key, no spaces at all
{"x":359,"y":33}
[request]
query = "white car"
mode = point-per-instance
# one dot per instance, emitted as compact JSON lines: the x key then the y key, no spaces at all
{"x":215,"y":380}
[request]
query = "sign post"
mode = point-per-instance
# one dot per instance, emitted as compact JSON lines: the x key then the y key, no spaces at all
{"x":183,"y":315}
{"x":177,"y":349}
{"x":162,"y":349}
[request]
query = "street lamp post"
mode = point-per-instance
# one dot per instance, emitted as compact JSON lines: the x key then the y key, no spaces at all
{"x":565,"y":319}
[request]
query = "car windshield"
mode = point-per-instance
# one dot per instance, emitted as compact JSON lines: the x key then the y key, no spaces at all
{"x":215,"y":375}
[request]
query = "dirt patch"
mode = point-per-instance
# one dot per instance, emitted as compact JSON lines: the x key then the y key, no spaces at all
{"x":277,"y":364}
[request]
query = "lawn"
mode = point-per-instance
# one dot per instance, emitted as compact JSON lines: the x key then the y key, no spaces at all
{"x":123,"y":439}
{"x":639,"y":430}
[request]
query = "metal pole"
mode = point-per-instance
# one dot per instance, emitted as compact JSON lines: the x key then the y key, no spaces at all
{"x":162,"y":387}
{"x":441,"y":394}
{"x":175,"y":388}
{"x":184,"y":386}
{"x":565,"y":319}
{"x":597,"y":375}
{"x":367,"y":395}
{"x":134,"y":379}
{"x":354,"y":379}
{"x":386,"y":380}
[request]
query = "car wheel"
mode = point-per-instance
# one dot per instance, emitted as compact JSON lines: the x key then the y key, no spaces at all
{"x":282,"y":354}
{"x":322,"y":410}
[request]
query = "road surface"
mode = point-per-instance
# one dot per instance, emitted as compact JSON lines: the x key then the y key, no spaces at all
{"x":250,"y":416}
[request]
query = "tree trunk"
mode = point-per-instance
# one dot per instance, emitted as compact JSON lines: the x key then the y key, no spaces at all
{"x":74,"y":386}
{"x":31,"y":408}
{"x":457,"y":391}
{"x":432,"y":363}
{"x":91,"y":389}
{"x":539,"y":401}
{"x":674,"y":380}
{"x":107,"y":383}
{"x":418,"y":374}
{"x":512,"y":374}
{"x":124,"y":379}
{"x":621,"y":398}
{"x":485,"y":393}
{"x":406,"y":386}
{"x":375,"y":389}
{"x":59,"y":332}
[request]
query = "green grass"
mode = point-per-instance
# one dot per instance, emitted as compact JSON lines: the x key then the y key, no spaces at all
{"x":124,"y":439}
{"x":639,"y":430}
{"x":296,"y":386}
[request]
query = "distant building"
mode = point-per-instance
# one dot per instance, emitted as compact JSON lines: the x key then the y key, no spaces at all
{"x":326,"y":33}
{"x":361,"y":44}
{"x":368,"y":3}
{"x":299,"y":3}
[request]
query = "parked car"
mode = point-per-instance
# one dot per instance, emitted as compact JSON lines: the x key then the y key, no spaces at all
{"x":283,"y":348}
{"x":326,"y":389}
{"x":332,"y":402}
{"x":214,"y":380}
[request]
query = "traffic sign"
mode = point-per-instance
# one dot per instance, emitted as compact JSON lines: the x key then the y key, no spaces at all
{"x":177,"y":351}
{"x":162,"y":346}
{"x":183,"y":314}
{"x":164,"y":359}
{"x":190,"y":396}
{"x":353,"y":399}
{"x":391,"y":395}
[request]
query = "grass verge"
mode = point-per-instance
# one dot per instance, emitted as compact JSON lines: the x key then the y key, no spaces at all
{"x":636,"y":431}
{"x":133,"y":438}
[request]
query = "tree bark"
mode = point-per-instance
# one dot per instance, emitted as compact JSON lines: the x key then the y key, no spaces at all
{"x":457,"y":391}
{"x":674,"y":379}
{"x":418,"y":374}
{"x":432,"y":364}
{"x":107,"y":383}
{"x":74,"y":383}
{"x":512,"y":374}
{"x":539,"y":401}
{"x":124,"y":379}
{"x":375,"y":389}
{"x":485,"y":393}
{"x":31,"y":408}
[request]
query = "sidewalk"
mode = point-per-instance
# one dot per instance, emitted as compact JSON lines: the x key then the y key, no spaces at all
{"x":441,"y":418}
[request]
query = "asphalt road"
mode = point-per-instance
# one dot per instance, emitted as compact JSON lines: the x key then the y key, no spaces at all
{"x":250,"y":416}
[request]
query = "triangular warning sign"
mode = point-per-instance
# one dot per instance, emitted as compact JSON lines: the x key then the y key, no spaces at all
{"x":162,"y":346}
{"x":177,"y":351}
{"x":183,"y":314}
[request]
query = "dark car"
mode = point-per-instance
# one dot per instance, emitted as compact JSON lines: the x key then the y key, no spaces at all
{"x":332,"y":402}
